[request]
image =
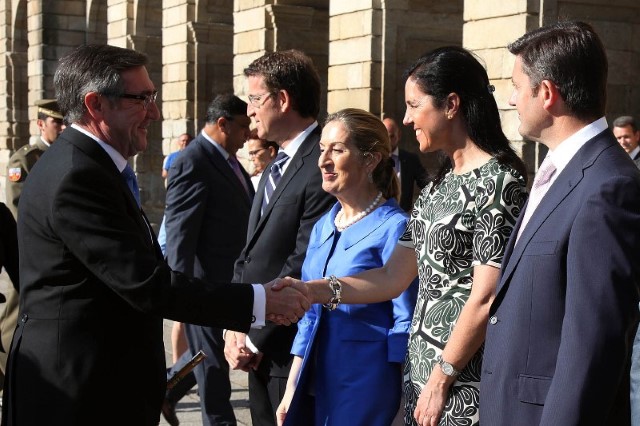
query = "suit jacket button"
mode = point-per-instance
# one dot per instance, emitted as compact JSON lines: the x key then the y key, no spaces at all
{"x":25,"y":317}
{"x":247,"y":259}
{"x":493,"y":319}
{"x":253,"y":319}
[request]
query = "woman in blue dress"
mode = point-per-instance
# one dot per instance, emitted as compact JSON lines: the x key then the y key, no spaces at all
{"x":347,"y":368}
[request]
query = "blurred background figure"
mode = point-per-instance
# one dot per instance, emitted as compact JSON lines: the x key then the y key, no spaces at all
{"x":182,"y":142}
{"x":50,"y":125}
{"x":261,"y":153}
{"x":626,"y":132}
{"x":407,"y":166}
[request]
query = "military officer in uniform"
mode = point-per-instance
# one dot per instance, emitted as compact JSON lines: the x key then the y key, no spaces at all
{"x":20,"y":164}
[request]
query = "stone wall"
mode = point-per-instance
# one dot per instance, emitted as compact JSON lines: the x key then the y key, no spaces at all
{"x":198,"y":48}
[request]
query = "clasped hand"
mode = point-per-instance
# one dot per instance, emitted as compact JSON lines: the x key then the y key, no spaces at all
{"x":287,"y":300}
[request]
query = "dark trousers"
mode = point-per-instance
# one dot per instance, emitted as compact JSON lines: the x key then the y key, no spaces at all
{"x":265,"y":394}
{"x":212,"y":375}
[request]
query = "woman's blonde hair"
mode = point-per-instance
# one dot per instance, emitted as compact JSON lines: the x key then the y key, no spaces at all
{"x":369,"y":135}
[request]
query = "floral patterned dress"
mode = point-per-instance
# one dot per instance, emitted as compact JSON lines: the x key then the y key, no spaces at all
{"x":466,"y":220}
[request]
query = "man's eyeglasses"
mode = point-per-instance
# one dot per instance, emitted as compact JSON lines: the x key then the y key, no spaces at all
{"x":256,"y":152}
{"x":254,"y":100}
{"x":146,"y":99}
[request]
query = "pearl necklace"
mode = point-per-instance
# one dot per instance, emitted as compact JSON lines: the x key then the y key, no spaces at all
{"x":344,"y":224}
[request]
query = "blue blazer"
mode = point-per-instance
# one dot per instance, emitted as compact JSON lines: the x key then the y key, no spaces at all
{"x":562,"y":323}
{"x":353,"y":355}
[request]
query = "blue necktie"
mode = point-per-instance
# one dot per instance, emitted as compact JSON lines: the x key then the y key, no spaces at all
{"x":130,"y":178}
{"x":274,"y":177}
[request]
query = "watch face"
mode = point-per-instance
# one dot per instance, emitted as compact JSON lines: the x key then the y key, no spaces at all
{"x":447,"y":369}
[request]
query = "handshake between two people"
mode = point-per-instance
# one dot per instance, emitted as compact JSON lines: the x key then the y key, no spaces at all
{"x":287,"y":300}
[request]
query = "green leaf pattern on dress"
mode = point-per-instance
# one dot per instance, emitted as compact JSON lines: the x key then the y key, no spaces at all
{"x":466,"y":220}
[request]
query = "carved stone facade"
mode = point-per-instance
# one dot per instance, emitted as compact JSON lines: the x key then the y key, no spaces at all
{"x":198,"y":48}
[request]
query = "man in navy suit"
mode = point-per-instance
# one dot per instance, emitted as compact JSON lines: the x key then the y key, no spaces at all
{"x":562,"y":323}
{"x":284,"y":102}
{"x":407,"y":165}
{"x":209,"y":197}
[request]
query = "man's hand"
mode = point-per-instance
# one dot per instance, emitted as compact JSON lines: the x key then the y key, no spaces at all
{"x":236,"y":352}
{"x":289,"y":303}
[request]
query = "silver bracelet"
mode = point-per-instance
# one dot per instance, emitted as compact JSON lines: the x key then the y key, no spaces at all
{"x":336,"y":290}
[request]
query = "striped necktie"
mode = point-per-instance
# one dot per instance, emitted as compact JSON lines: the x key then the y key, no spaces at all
{"x":274,"y":177}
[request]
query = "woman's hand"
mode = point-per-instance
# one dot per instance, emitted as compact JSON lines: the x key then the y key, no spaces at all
{"x":433,"y":398}
{"x":283,"y":408}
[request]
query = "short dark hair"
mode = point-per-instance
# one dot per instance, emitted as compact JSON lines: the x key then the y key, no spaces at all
{"x":92,"y":68}
{"x":572,"y":56}
{"x":624,"y":121}
{"x":225,"y":105}
{"x":293,"y":71}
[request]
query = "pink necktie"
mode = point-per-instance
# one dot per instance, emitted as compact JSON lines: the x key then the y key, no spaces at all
{"x":541,"y":184}
{"x":235,"y":166}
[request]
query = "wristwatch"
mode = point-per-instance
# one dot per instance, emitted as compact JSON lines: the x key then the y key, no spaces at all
{"x":447,"y":368}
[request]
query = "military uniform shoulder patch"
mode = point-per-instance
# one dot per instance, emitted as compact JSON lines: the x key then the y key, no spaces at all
{"x":15,"y":174}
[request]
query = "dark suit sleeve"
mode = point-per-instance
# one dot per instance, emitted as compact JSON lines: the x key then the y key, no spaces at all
{"x":601,"y":306}
{"x":186,"y":203}
{"x":9,"y":245}
{"x":98,"y":222}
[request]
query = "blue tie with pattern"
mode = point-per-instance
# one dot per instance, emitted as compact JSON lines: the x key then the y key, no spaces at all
{"x":274,"y":177}
{"x":130,"y":177}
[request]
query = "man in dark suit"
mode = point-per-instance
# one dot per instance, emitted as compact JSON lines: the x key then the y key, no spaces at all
{"x":93,"y":285}
{"x":209,"y":198}
{"x":408,"y":167}
{"x":284,"y":101}
{"x":627,"y":133}
{"x":562,"y":323}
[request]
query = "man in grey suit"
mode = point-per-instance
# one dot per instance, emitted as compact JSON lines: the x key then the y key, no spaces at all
{"x":561,"y":326}
{"x":284,"y":102}
{"x":626,"y":131}
{"x":209,"y":197}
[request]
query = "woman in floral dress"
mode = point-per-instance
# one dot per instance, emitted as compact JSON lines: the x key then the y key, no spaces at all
{"x":458,"y":231}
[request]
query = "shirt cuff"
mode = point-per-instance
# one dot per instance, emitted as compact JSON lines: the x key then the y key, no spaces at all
{"x":259,"y":306}
{"x":249,"y":344}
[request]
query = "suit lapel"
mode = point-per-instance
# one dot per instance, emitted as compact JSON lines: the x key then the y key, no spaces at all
{"x":256,"y":220}
{"x":94,"y":151}
{"x":222,"y":165}
{"x":566,"y":182}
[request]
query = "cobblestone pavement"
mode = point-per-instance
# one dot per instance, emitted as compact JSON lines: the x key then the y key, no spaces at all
{"x":188,"y":409}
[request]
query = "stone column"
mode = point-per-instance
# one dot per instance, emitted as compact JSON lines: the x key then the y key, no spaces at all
{"x":355,"y":56}
{"x":488,"y":28}
{"x":261,"y":27}
{"x":14,"y":122}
